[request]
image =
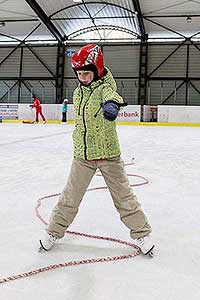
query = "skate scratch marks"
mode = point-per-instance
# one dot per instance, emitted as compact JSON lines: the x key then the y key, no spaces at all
{"x":135,"y":250}
{"x":35,"y":138}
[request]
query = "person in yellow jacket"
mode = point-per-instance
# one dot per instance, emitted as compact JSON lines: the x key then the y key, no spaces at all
{"x":96,"y":146}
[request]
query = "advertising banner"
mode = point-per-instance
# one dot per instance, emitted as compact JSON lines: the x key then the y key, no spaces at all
{"x":130,"y":113}
{"x":9,"y":111}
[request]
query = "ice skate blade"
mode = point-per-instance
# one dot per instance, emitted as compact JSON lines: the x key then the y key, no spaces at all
{"x":41,"y":248}
{"x":151,"y":253}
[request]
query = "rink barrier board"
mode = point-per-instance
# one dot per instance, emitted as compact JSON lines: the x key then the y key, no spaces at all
{"x":163,"y":115}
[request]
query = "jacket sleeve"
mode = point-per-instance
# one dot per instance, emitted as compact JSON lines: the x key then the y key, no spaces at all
{"x":109,"y":94}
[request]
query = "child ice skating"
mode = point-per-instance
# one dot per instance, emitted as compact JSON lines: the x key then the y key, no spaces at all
{"x":96,"y":146}
{"x":64,"y":111}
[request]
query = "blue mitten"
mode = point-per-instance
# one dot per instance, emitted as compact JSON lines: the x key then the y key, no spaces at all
{"x":110,"y":109}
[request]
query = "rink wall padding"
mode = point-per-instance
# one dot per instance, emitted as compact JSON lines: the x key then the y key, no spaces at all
{"x":52,"y":112}
{"x":129,"y":115}
{"x":178,"y":114}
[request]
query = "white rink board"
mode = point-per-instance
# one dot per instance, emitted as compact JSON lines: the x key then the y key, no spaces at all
{"x":178,"y":114}
{"x":15,"y":111}
{"x":130,"y":113}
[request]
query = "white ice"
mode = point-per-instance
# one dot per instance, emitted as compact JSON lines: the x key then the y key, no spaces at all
{"x":35,"y":161}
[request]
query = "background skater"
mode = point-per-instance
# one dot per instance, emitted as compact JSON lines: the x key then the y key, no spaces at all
{"x":64,"y":110}
{"x":38,"y":110}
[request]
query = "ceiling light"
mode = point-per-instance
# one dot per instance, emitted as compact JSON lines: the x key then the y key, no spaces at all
{"x":2,"y":24}
{"x":188,"y":19}
{"x":77,"y":0}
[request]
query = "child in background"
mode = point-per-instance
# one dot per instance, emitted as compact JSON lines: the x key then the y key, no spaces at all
{"x":64,"y":111}
{"x":96,"y":146}
{"x":38,"y":110}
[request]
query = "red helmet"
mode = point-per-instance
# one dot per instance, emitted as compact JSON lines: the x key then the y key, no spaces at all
{"x":89,"y":55}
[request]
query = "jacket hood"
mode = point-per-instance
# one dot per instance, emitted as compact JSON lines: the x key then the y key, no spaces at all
{"x":106,"y":79}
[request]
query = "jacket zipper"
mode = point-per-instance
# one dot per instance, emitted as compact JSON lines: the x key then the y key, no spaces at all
{"x":79,"y":109}
{"x":84,"y":137}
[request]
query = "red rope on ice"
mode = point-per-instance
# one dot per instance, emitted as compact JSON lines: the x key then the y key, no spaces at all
{"x":83,"y":261}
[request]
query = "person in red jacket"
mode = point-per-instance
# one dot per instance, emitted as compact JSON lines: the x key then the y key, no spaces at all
{"x":38,"y":110}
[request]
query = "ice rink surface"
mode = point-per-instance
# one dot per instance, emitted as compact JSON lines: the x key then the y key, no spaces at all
{"x":35,"y":161}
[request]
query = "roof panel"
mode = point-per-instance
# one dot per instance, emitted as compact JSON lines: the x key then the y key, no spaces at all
{"x":94,"y":15}
{"x":18,"y":31}
{"x":51,"y":6}
{"x":12,"y":9}
{"x":70,"y":17}
{"x":179,"y":25}
{"x":168,"y":7}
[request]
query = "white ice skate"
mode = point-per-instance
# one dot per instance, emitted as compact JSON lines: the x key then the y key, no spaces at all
{"x":47,"y":242}
{"x":146,"y":245}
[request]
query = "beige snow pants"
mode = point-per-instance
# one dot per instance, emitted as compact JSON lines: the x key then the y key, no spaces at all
{"x":116,"y":179}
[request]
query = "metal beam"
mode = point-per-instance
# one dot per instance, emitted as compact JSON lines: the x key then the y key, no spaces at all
{"x":109,"y":27}
{"x":137,"y":8}
{"x":45,"y":19}
{"x":90,"y":2}
{"x":20,"y":74}
{"x":88,"y":18}
{"x":195,"y":88}
{"x":165,"y":27}
{"x":6,"y":93}
{"x":149,"y":75}
{"x":60,"y":73}
{"x":142,"y":88}
{"x":187,"y":81}
{"x":172,"y":93}
{"x":92,"y":19}
{"x":173,"y":16}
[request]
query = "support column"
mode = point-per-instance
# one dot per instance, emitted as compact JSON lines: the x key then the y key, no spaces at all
{"x":187,"y":81}
{"x":142,"y":89}
{"x":60,"y":72}
{"x":20,"y":75}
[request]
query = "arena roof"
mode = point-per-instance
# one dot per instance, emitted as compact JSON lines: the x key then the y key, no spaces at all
{"x":73,"y":21}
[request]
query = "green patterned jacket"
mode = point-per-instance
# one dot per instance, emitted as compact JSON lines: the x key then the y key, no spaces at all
{"x":94,"y":137}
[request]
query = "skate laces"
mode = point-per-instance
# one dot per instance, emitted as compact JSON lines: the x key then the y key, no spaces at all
{"x":141,"y":241}
{"x":52,"y":238}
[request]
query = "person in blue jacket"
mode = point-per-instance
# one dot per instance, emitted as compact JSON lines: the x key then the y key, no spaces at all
{"x":64,"y":111}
